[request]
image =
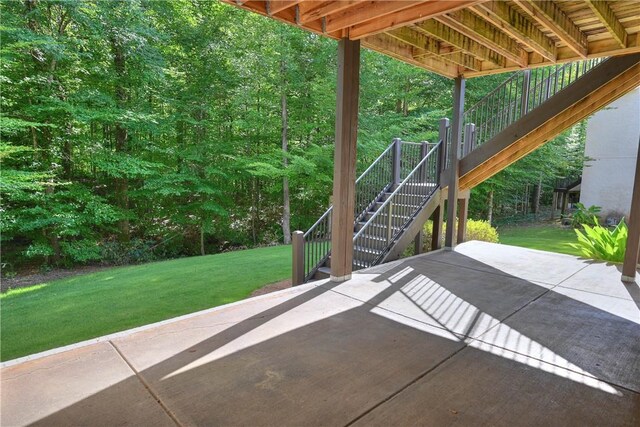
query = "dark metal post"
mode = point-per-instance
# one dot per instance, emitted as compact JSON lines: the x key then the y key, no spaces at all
{"x":397,"y":156}
{"x":526,"y":80}
{"x":297,"y":245}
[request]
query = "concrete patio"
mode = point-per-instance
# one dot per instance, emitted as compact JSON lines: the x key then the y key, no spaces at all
{"x":488,"y":334}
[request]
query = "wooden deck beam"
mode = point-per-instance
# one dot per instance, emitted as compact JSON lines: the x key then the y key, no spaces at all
{"x":344,"y":168}
{"x":482,"y":32}
{"x":455,"y":38}
{"x":517,"y":26}
{"x":408,"y":16}
{"x":365,"y":11}
{"x":550,"y":16}
{"x":604,"y":13}
{"x":390,"y":46}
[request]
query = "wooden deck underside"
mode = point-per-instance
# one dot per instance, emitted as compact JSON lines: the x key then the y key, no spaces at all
{"x":470,"y":37}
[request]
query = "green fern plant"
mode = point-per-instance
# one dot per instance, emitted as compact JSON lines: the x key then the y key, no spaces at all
{"x":599,"y":242}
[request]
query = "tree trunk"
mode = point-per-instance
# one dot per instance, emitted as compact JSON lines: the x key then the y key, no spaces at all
{"x":121,"y":135}
{"x":202,"y":240}
{"x":286,"y":208}
{"x":490,"y":211}
{"x":537,"y":196}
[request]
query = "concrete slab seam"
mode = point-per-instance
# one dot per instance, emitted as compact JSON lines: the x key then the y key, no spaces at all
{"x":147,"y":386}
{"x":409,"y":384}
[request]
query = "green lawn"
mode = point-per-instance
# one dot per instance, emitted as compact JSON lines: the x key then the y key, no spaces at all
{"x":70,"y":310}
{"x":550,"y":238}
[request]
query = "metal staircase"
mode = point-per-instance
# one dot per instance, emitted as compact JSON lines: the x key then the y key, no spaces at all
{"x":398,"y":192}
{"x":388,"y":195}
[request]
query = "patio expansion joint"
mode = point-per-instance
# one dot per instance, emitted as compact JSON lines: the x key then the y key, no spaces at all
{"x":406,"y":386}
{"x":147,"y":386}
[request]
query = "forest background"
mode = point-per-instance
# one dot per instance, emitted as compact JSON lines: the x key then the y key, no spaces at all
{"x":139,"y":130}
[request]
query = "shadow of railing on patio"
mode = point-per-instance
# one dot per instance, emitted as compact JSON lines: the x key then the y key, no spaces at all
{"x":340,"y":366}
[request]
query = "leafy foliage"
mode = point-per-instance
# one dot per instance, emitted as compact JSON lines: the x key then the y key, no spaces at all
{"x":599,"y":242}
{"x":476,"y":230}
{"x":585,"y":215}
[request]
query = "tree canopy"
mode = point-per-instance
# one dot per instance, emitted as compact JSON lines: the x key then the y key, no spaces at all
{"x":188,"y":126}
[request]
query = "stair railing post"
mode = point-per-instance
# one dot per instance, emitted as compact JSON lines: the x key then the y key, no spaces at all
{"x":390,"y":222}
{"x":397,"y":157}
{"x":297,"y":245}
{"x":442,"y":136}
{"x":469,"y":133}
{"x":526,"y":82}
{"x":424,"y":149}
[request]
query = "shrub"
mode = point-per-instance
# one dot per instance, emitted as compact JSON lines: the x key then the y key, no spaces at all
{"x":476,"y":230}
{"x":585,"y":216}
{"x":136,"y":251}
{"x":599,"y":242}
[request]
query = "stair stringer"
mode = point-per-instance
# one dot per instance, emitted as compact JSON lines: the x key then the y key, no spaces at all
{"x":602,"y":85}
{"x":416,"y":225}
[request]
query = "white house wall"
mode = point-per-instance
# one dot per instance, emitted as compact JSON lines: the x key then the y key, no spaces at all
{"x":611,"y":150}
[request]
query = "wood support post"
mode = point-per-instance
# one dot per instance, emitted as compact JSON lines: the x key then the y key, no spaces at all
{"x":297,"y":269}
{"x":436,"y":231}
{"x":454,"y":172}
{"x":344,"y":169}
{"x":632,"y":254}
{"x":463,"y":212}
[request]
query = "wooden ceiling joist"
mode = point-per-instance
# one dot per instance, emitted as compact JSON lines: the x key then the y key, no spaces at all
{"x":448,"y":35}
{"x":551,"y":17}
{"x":422,"y":11}
{"x":364,"y":11}
{"x":606,"y":16}
{"x":416,"y":39}
{"x":313,"y":10}
{"x":274,"y":7}
{"x":405,"y":52}
{"x":518,"y":27}
{"x":475,"y":28}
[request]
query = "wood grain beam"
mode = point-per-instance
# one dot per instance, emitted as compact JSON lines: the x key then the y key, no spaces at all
{"x":503,"y":16}
{"x":482,"y":32}
{"x":463,"y":59}
{"x":420,"y":12}
{"x":365,"y":11}
{"x":314,"y":10}
{"x":608,"y":18}
{"x":416,"y":39}
{"x":455,"y":38}
{"x":551,"y":17}
{"x":274,"y":7}
{"x":391,"y":46}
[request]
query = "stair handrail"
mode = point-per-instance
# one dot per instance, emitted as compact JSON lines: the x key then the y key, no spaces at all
{"x":520,"y":94}
{"x":432,"y":155}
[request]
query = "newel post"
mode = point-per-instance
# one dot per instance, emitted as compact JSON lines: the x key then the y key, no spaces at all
{"x":297,"y":269}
